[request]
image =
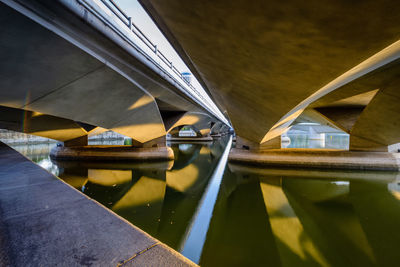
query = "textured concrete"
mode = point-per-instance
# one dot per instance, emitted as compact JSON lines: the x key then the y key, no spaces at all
{"x":45,"y":222}
{"x":198,"y":120}
{"x":71,"y":65}
{"x":329,"y":159}
{"x":112,"y":153}
{"x":261,"y":59}
{"x":371,"y":116}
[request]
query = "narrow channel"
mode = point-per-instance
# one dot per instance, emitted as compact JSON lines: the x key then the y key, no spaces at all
{"x":222,"y":214}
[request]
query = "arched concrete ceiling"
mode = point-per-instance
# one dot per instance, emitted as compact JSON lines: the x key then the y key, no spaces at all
{"x":74,"y":72}
{"x":197,"y":119}
{"x":378,"y":96}
{"x":39,"y":124}
{"x":260,"y":59}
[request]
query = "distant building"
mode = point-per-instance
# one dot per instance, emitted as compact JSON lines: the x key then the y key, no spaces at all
{"x":187,"y":76}
{"x":187,"y":132}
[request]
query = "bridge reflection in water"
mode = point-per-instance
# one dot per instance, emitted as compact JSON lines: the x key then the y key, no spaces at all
{"x":269,"y":217}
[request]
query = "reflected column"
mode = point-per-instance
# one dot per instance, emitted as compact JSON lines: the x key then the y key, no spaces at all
{"x":377,"y":205}
{"x":294,"y":245}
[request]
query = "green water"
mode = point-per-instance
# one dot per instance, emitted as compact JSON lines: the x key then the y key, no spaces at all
{"x":259,"y":217}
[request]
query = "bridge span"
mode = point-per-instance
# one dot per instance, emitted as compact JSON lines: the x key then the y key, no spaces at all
{"x":270,"y":64}
{"x":74,"y":68}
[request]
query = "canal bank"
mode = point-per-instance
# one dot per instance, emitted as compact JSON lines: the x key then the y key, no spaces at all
{"x":44,"y":221}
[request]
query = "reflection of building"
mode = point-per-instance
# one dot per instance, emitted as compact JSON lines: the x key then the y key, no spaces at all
{"x":187,"y":76}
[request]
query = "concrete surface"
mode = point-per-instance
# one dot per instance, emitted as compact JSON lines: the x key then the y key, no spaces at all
{"x":265,"y":62}
{"x":45,"y":222}
{"x":371,"y":116}
{"x":112,"y":153}
{"x":318,"y":158}
{"x":74,"y":67}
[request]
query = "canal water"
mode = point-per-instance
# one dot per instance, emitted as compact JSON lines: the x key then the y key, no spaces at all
{"x":222,"y":214}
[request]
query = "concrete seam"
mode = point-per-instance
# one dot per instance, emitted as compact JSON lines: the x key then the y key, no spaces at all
{"x":121,"y":263}
{"x":64,"y":85}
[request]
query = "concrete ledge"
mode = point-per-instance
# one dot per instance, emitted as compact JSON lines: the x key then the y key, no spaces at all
{"x":46,"y":222}
{"x":112,"y":153}
{"x":319,"y":159}
{"x":190,"y":139}
{"x":318,"y":174}
{"x":115,"y":165}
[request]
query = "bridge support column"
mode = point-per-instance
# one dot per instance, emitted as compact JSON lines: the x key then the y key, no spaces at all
{"x":79,"y":141}
{"x":205,"y":132}
{"x":157,"y":142}
{"x":361,"y":144}
{"x":243,"y":143}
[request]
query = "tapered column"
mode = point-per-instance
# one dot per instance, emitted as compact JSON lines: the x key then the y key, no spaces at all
{"x":242,"y":143}
{"x":79,"y":141}
{"x":157,"y":142}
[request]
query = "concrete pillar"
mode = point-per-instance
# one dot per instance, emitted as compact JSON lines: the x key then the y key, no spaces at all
{"x":175,"y":132}
{"x":362,"y":144}
{"x":157,"y":142}
{"x":243,"y":143}
{"x":79,"y":141}
{"x":205,"y":132}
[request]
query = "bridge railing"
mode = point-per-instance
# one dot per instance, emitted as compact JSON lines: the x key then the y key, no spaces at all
{"x":127,"y":21}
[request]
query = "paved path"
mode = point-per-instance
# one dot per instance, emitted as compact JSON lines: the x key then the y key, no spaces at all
{"x":45,"y":222}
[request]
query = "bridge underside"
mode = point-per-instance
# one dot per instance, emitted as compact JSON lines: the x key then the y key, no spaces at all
{"x":267,"y":63}
{"x":63,"y":79}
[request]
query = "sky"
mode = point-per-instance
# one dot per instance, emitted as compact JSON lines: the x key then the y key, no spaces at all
{"x":141,"y":19}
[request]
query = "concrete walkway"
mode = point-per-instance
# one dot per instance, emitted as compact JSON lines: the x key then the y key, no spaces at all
{"x":45,"y":222}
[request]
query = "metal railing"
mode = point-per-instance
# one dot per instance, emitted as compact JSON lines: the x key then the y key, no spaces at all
{"x":127,"y":20}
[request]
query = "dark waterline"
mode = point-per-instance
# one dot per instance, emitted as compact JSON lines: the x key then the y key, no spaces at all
{"x":258,"y":217}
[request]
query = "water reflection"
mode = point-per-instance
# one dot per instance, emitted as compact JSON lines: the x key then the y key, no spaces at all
{"x":196,"y":233}
{"x":321,"y":218}
{"x":159,"y":198}
{"x":257,"y":217}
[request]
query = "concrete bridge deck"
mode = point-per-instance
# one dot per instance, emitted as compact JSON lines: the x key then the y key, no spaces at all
{"x":45,"y":222}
